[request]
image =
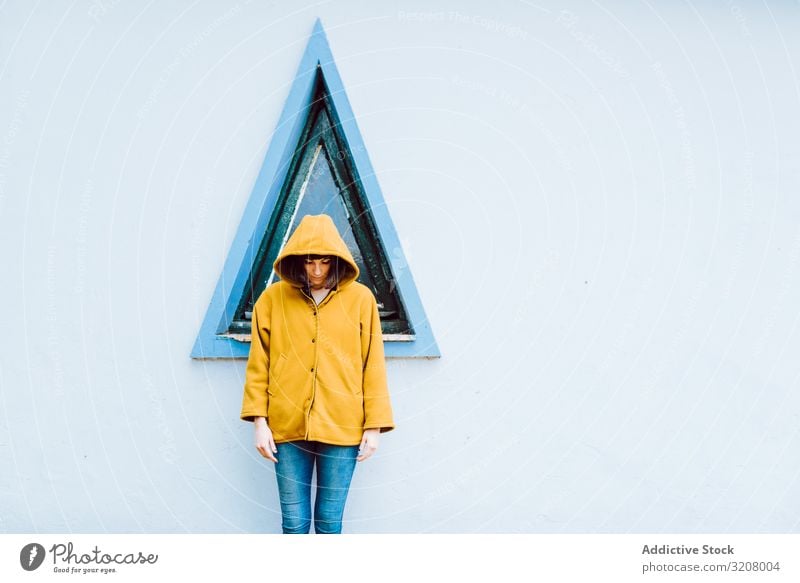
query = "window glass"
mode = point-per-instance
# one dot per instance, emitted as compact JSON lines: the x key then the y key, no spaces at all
{"x":322,"y":180}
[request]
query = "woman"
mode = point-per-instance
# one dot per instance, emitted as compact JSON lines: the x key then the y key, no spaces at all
{"x":315,"y":385}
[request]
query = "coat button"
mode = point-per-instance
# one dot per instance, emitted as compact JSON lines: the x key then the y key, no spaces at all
{"x":312,"y":369}
{"x":313,"y":340}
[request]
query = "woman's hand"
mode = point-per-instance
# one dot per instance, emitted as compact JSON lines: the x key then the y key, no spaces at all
{"x":264,"y":442}
{"x":369,"y":443}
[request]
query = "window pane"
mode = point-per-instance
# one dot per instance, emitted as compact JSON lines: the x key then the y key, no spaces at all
{"x":321,"y":195}
{"x":322,"y":181}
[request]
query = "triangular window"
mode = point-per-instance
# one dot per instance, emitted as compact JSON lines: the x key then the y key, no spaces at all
{"x":316,"y":163}
{"x":323,"y":179}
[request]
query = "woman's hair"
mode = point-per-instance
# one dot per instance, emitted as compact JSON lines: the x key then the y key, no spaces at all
{"x":293,"y":268}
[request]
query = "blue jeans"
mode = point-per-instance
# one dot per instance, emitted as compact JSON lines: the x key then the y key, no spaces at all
{"x":335,"y":465}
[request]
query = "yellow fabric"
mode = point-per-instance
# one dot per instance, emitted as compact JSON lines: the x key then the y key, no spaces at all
{"x":317,"y":372}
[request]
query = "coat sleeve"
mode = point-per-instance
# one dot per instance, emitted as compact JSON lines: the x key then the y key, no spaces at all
{"x":377,"y":407}
{"x":256,"y":398}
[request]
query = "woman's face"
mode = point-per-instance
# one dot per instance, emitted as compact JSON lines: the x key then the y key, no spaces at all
{"x":317,"y":271}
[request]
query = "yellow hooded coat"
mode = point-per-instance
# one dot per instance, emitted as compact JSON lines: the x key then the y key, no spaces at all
{"x":317,"y":372}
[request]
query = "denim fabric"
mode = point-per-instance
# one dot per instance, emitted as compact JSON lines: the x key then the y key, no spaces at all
{"x":335,"y":465}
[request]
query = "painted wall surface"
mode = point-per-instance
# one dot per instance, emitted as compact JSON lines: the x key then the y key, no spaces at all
{"x":599,"y":205}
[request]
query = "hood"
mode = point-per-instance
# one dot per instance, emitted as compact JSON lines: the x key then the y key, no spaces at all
{"x":316,"y":235}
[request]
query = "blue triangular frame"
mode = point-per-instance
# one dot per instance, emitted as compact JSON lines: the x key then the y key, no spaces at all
{"x":264,"y":197}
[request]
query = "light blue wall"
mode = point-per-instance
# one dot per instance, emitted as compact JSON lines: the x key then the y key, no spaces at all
{"x":599,"y":205}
